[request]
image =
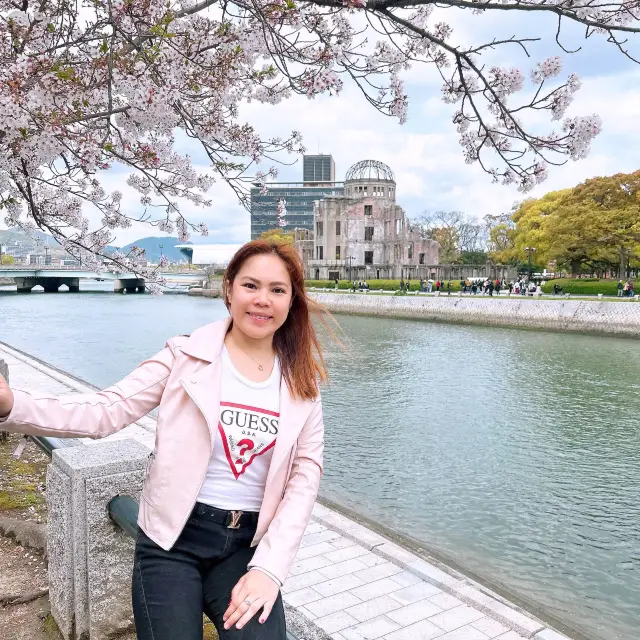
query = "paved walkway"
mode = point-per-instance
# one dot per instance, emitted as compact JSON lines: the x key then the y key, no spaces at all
{"x":351,"y":582}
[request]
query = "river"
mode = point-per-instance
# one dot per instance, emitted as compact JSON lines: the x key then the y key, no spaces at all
{"x":514,"y":453}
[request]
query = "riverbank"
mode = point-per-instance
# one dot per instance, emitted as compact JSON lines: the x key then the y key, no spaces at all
{"x":582,"y":316}
{"x":350,"y":581}
{"x":7,"y":282}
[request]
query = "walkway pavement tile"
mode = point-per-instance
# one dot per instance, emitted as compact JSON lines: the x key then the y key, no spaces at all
{"x":520,"y":621}
{"x":489,"y":626}
{"x":367,"y":538}
{"x":314,"y":550}
{"x":456,"y":617}
{"x":414,"y":612}
{"x":332,"y":604}
{"x":338,"y":521}
{"x":394,"y":551}
{"x":342,"y":543}
{"x":374,"y":589}
{"x":315,"y":538}
{"x":338,"y":585}
{"x":430,"y":572}
{"x":372,"y":608}
{"x":510,"y":635}
{"x":423,"y":630}
{"x":314,"y":527}
{"x":293,"y":583}
{"x":464,"y":633}
{"x":371,"y":559}
{"x":415,"y":592}
{"x":301,"y":597}
{"x":378,"y":572}
{"x":406,"y":579}
{"x":307,"y":613}
{"x":550,"y":634}
{"x":445,"y":601}
{"x":474,"y":596}
{"x":371,"y":629}
{"x":343,"y":568}
{"x":320,"y":510}
{"x":335,"y":621}
{"x":347,"y":553}
{"x":317,"y":562}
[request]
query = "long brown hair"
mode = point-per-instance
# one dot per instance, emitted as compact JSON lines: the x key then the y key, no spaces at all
{"x":295,"y":342}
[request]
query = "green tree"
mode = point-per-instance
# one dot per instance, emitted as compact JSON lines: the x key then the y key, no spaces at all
{"x":7,"y":259}
{"x":278,"y":235}
{"x":594,"y":225}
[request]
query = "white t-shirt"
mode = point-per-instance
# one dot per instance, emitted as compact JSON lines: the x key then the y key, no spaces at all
{"x":246,"y":434}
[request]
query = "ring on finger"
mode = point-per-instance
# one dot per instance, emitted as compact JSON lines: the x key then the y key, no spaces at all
{"x":247,"y":602}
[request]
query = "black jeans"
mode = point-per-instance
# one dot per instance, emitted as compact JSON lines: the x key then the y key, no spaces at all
{"x":172,"y":589}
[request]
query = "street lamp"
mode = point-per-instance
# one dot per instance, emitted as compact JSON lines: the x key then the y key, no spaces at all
{"x":529,"y":251}
{"x":350,"y":258}
{"x":161,"y":247}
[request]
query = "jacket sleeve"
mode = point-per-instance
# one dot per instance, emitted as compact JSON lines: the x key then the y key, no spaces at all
{"x":93,"y":415}
{"x":279,"y":545}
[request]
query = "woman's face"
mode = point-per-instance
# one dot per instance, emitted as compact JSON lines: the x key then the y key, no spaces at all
{"x":260,"y":296}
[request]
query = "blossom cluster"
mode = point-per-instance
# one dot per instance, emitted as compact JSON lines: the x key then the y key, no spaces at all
{"x":83,"y":91}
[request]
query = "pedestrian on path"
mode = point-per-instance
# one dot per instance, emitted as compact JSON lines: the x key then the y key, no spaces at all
{"x":223,"y":509}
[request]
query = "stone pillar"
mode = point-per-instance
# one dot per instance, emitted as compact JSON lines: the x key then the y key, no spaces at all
{"x":90,"y":558}
{"x":73,"y":284}
{"x":130,"y":285}
{"x":25,"y":285}
{"x":50,"y":285}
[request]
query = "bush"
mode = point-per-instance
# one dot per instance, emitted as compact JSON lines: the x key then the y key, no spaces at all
{"x":375,"y":285}
{"x":583,"y":286}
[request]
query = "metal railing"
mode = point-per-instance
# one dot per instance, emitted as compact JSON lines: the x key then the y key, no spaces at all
{"x":123,"y":510}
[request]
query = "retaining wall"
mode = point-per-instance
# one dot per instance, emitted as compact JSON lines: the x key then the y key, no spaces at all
{"x":584,"y":316}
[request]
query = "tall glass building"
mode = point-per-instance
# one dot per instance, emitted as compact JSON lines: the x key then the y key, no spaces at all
{"x":318,"y":175}
{"x":299,"y":197}
{"x":318,"y":169}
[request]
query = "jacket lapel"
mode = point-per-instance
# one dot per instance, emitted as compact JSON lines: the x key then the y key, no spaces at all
{"x":203,"y":387}
{"x":293,"y":415}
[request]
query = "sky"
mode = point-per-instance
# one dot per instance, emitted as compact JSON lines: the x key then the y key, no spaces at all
{"x":424,"y":153}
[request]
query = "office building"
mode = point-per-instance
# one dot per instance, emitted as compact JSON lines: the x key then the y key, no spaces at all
{"x":318,"y":169}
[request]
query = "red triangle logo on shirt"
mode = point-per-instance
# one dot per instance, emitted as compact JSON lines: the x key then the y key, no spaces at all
{"x":246,"y":433}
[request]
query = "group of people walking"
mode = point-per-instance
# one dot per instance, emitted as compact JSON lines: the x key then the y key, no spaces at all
{"x":626,"y":289}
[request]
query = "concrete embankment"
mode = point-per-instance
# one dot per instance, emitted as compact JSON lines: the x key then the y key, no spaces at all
{"x":583,"y":316}
{"x":7,"y":282}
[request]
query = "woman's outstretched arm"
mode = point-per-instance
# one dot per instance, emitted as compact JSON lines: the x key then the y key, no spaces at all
{"x":93,"y":415}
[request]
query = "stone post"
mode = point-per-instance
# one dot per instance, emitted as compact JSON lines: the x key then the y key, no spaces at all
{"x":90,"y":558}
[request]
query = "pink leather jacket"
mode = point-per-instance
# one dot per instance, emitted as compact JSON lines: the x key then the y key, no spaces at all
{"x":184,"y":380}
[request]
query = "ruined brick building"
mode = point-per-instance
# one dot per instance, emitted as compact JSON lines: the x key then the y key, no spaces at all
{"x":364,"y":234}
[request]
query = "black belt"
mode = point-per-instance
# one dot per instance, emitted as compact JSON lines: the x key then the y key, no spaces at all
{"x":232,"y":519}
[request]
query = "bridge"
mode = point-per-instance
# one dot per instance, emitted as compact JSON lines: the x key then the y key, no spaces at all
{"x":52,"y":278}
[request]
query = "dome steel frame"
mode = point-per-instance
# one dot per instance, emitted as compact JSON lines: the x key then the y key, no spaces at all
{"x":372,"y":170}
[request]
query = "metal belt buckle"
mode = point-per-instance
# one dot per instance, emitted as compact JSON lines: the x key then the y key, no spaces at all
{"x":235,"y":520}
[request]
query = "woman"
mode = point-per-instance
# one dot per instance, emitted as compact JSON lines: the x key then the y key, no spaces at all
{"x":238,"y":456}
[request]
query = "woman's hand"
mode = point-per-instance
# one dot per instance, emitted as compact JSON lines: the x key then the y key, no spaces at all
{"x":254,"y":591}
{"x":6,"y":398}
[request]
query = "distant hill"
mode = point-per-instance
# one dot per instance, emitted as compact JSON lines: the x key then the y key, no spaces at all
{"x":151,"y":245}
